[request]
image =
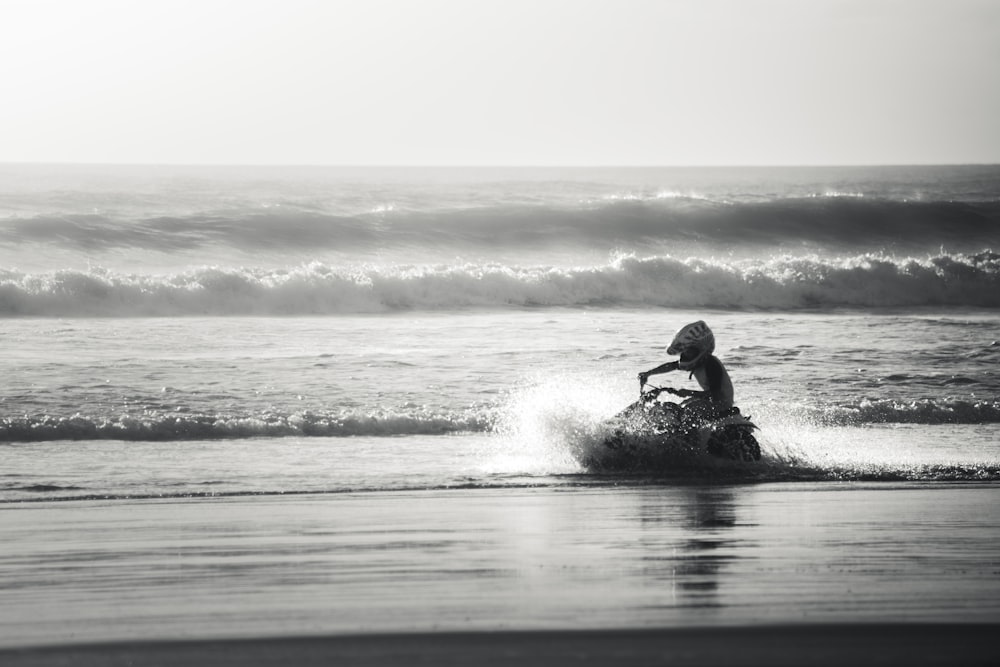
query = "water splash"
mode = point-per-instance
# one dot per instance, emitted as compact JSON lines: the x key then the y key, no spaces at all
{"x":542,"y":426}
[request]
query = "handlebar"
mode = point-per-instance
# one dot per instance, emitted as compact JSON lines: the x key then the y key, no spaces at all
{"x":655,"y":391}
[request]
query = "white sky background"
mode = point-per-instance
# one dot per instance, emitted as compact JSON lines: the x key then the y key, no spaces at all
{"x":500,"y":82}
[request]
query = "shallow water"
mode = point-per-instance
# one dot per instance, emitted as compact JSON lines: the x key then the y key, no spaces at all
{"x":125,"y":407}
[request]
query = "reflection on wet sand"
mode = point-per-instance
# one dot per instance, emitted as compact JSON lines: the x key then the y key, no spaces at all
{"x":642,"y":556}
{"x":693,"y":562}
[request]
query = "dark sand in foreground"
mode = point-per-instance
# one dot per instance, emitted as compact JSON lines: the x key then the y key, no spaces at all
{"x":776,"y":574}
{"x":816,"y":645}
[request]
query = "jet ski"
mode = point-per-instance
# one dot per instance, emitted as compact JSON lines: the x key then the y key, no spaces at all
{"x":651,"y":432}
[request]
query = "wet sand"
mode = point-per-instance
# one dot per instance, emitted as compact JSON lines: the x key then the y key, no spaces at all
{"x":815,"y":645}
{"x":824,"y":571}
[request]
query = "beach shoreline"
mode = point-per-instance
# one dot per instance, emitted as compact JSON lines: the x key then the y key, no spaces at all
{"x":813,"y":644}
{"x":498,"y":560}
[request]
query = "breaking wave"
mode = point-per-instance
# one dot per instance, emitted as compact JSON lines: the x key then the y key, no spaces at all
{"x":154,"y":426}
{"x":969,"y":280}
{"x":160,"y":426}
{"x":929,"y":411}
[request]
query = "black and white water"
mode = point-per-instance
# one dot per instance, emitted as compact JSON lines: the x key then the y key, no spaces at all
{"x":188,"y":331}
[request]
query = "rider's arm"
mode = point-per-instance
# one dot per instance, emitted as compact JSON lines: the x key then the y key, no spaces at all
{"x":714,"y":389}
{"x":690,"y":393}
{"x":663,"y":368}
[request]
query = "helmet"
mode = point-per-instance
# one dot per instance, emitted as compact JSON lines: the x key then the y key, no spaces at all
{"x":693,"y":342}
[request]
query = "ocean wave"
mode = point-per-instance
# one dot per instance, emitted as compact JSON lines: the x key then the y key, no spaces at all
{"x":627,"y":281}
{"x":157,"y":426}
{"x":171,"y":427}
{"x":839,"y":221}
{"x":927,"y":412}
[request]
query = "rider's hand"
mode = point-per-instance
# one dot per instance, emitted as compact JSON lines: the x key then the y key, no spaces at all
{"x":643,"y":377}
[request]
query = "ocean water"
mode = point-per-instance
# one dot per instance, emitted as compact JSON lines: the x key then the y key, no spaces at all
{"x":196,"y":334}
{"x":439,"y":327}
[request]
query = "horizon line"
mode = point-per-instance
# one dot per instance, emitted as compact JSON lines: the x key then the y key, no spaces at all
{"x":317,"y":165}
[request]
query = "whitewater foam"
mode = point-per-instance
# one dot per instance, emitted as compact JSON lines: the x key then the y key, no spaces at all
{"x":662,"y":281}
{"x":159,"y":426}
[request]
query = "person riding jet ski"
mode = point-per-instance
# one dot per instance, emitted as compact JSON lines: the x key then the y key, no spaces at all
{"x":695,"y":344}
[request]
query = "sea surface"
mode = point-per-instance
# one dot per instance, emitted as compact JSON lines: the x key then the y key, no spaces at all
{"x":207,"y":335}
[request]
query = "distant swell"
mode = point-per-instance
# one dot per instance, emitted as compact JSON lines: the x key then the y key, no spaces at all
{"x":833,"y":221}
{"x":778,"y":283}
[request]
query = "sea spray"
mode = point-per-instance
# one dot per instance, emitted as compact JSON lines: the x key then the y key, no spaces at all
{"x":801,"y":441}
{"x":541,"y":427}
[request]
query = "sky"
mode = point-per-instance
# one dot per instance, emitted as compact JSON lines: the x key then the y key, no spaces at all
{"x":500,"y":82}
